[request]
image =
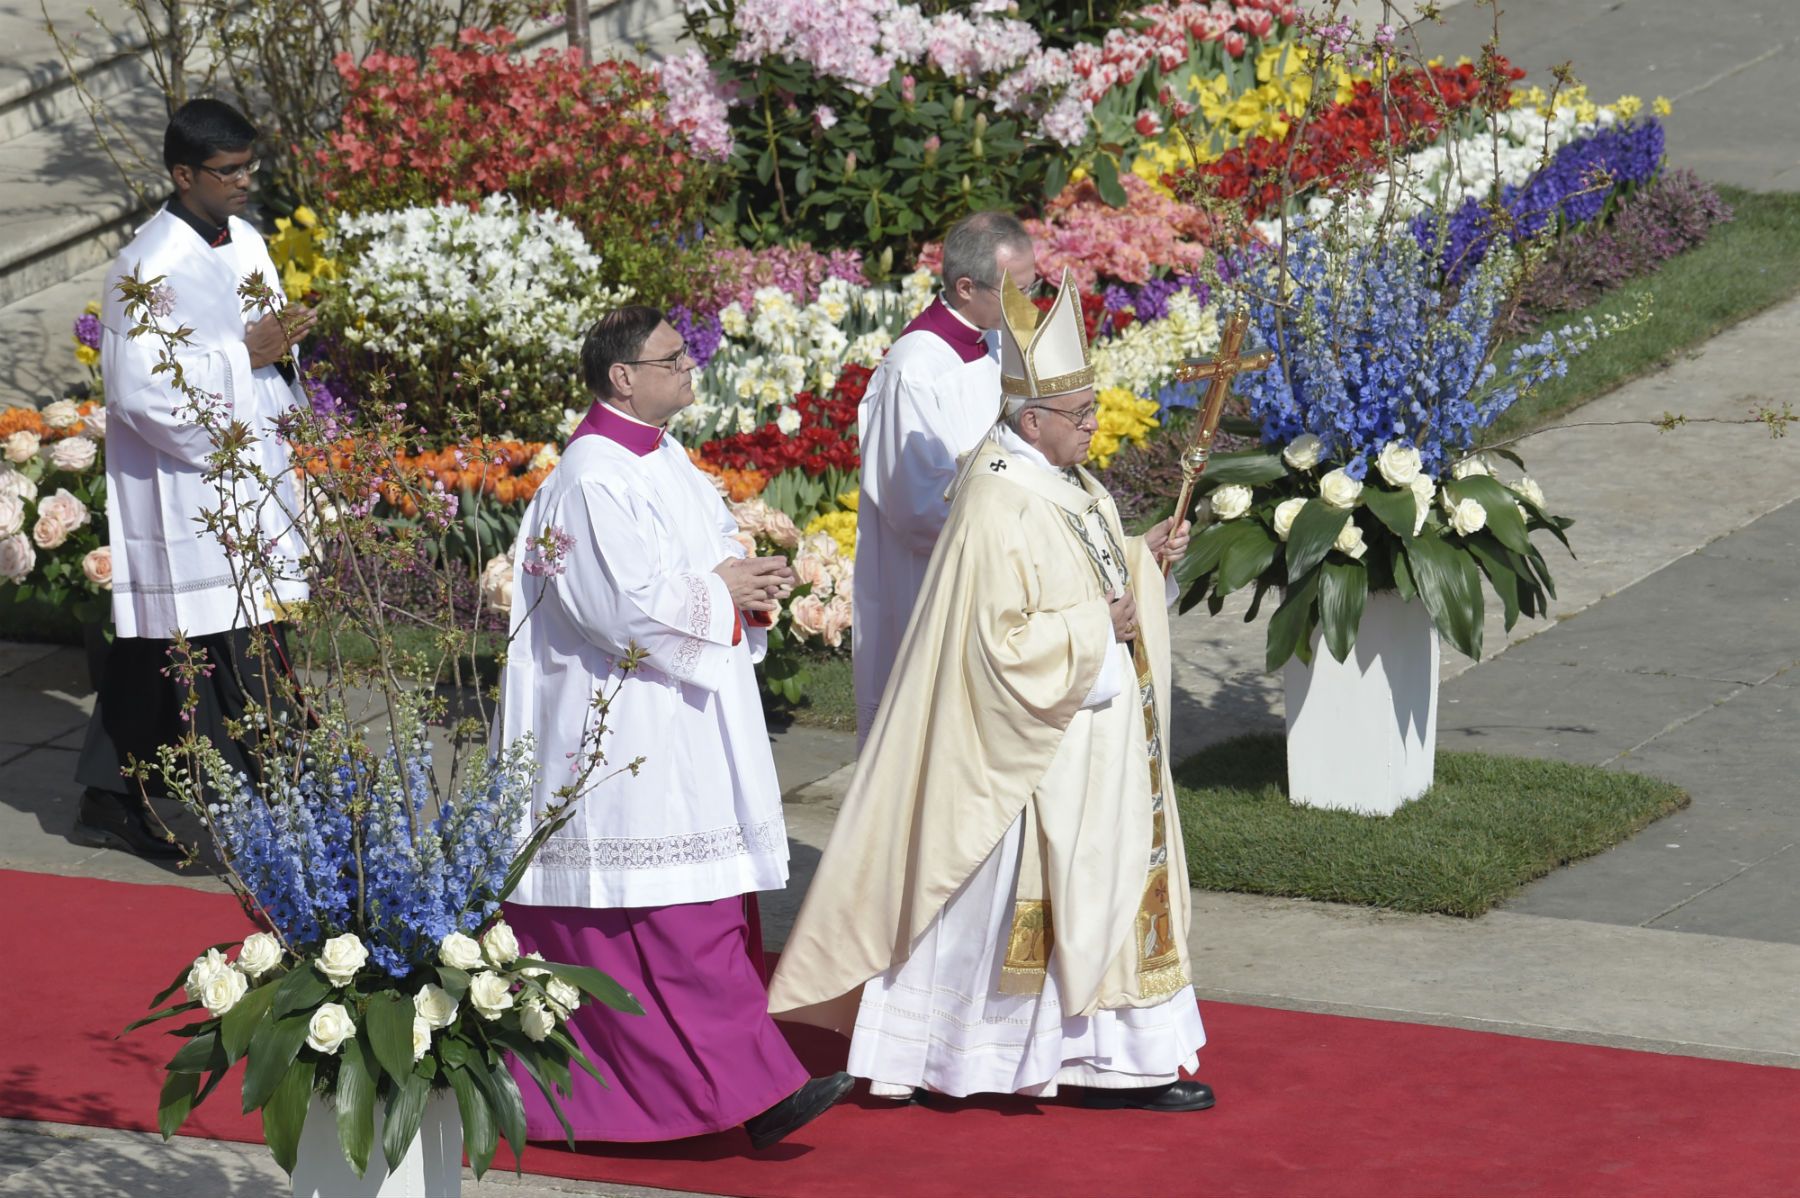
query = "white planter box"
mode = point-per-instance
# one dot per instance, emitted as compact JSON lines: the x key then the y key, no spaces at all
{"x":431,"y":1168}
{"x":1362,"y":733}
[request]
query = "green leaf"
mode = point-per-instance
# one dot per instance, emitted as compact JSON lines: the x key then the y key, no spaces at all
{"x":1343,"y":590}
{"x":1502,"y":574}
{"x":1502,"y":508}
{"x":356,"y":1103}
{"x":502,"y":1093}
{"x":1397,"y":510}
{"x":165,"y":1013}
{"x":1447,"y":582}
{"x":765,"y":167}
{"x":454,"y":1051}
{"x":1055,"y":178}
{"x":1291,"y":622}
{"x":1247,"y":467}
{"x":1206,"y":551}
{"x":273,"y":1047}
{"x":302,"y":989}
{"x":242,"y":1020}
{"x":285,"y":1114}
{"x":1314,"y":531}
{"x":389,"y":1020}
{"x":455,"y":982}
{"x":180,"y":978}
{"x":400,"y":1124}
{"x":1403,"y":579}
{"x":202,"y":1053}
{"x":1246,"y":558}
{"x":577,"y":1057}
{"x":1106,"y":180}
{"x":479,"y":1136}
{"x":175,"y":1102}
{"x":596,"y":985}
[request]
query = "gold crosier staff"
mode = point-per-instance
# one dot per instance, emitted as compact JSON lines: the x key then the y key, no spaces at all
{"x":1224,"y":365}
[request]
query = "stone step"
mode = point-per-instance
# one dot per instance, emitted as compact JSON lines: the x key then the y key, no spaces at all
{"x":37,"y":347}
{"x":39,"y":86}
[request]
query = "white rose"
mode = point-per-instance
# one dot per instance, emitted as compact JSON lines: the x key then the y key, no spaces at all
{"x":490,"y":993}
{"x":434,"y":1005}
{"x":12,"y":515}
{"x":49,"y":532}
{"x":340,"y":958}
{"x":328,"y":1028}
{"x":1468,"y":516}
{"x":204,"y":970}
{"x":68,"y":510}
{"x":17,"y":484}
{"x":1286,"y":512}
{"x":1530,"y":491}
{"x":1350,"y":540}
{"x":421,"y":1039}
{"x":222,"y":990}
{"x":261,"y":952}
{"x":17,"y":557}
{"x":1468,"y":466}
{"x":1231,"y":501}
{"x":497,"y":582}
{"x":1303,"y":452}
{"x":73,"y":454}
{"x":22,"y":446}
{"x":460,"y":952}
{"x":60,"y":414}
{"x":1399,"y":463}
{"x":97,"y":566}
{"x":1424,"y":489}
{"x":500,"y":945}
{"x":1339,"y":489}
{"x":94,"y":424}
{"x":528,"y":971}
{"x":536,"y":1022}
{"x":564,"y":996}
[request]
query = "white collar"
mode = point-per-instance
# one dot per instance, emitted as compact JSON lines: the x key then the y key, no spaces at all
{"x":1019,"y":447}
{"x":951,"y":308}
{"x":621,"y":412}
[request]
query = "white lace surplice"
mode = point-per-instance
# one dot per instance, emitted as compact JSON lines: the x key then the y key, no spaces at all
{"x":701,"y":819}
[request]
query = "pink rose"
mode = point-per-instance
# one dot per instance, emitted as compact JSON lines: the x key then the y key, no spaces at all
{"x":50,"y":531}
{"x":69,"y":511}
{"x":837,"y":621}
{"x":752,"y":517}
{"x":807,"y":616}
{"x":779,"y":527}
{"x":17,"y":557}
{"x":497,"y":582}
{"x":22,"y":446}
{"x":844,"y":586}
{"x":73,"y":454}
{"x":97,"y":565}
{"x":746,"y":540}
{"x":12,"y":514}
{"x":811,"y":570}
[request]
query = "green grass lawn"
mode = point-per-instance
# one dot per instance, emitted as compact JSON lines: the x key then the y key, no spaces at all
{"x":1745,"y":265}
{"x":1487,"y":827}
{"x":830,"y":698}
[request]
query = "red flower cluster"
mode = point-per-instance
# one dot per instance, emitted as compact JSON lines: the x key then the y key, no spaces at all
{"x":592,"y":142}
{"x":1359,"y":135}
{"x":824,"y":440}
{"x":1094,"y":315}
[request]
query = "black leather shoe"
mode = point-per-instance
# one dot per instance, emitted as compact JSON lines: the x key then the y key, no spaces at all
{"x":797,"y":1109}
{"x":115,"y":821}
{"x":1176,"y":1096}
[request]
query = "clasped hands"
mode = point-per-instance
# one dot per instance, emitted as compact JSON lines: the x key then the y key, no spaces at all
{"x":271,"y":336}
{"x":757,"y":583}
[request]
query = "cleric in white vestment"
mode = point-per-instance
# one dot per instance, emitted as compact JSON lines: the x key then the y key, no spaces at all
{"x":1003,"y":903}
{"x":170,"y":575}
{"x":928,"y":402}
{"x":654,"y":878}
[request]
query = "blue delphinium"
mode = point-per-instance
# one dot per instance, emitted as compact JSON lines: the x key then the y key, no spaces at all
{"x":364,"y":843}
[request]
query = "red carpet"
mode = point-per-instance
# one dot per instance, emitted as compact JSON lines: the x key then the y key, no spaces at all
{"x":1308,"y":1104}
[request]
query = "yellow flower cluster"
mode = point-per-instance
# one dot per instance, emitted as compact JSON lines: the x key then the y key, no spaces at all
{"x":298,"y":251}
{"x":840,"y":526}
{"x":1228,"y":118}
{"x":87,"y":355}
{"x":849,"y":499}
{"x":1123,"y":417}
{"x":1575,"y":99}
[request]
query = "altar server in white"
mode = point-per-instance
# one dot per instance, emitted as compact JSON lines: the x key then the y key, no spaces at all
{"x":654,"y":879}
{"x":931,"y":399}
{"x":171,"y":575}
{"x":1003,"y":904}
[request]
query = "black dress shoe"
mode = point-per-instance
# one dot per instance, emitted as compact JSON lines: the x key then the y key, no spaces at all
{"x":797,"y":1109}
{"x":107,"y":820}
{"x":1176,"y":1096}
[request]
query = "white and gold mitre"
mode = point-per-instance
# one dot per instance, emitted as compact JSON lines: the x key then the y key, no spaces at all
{"x":1042,"y":353}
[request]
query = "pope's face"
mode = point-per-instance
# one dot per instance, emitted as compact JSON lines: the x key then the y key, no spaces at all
{"x":1062,"y":428}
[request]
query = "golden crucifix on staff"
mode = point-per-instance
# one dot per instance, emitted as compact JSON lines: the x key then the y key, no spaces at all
{"x":1225,"y":365}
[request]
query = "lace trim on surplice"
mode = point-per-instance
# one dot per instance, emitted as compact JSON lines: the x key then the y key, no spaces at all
{"x":660,"y":852}
{"x":699,"y":616}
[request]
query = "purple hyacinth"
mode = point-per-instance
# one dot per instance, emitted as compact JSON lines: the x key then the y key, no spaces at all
{"x":702,"y":333}
{"x":87,"y":330}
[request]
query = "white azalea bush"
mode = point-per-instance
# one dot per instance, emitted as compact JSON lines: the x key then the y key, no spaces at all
{"x":468,"y":309}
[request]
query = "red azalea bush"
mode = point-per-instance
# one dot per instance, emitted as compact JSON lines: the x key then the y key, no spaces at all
{"x":1362,"y":134}
{"x":824,"y":441}
{"x":592,"y":142}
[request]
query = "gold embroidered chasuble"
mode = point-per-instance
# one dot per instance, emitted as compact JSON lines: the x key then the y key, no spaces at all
{"x":983,"y":722}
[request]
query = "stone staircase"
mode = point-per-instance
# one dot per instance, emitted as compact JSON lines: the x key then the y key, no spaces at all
{"x":65,"y":208}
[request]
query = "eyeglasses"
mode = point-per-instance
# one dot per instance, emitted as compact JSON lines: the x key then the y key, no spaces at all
{"x":1078,"y":417}
{"x":672,"y":362}
{"x":1032,"y":291}
{"x":226,"y":174}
